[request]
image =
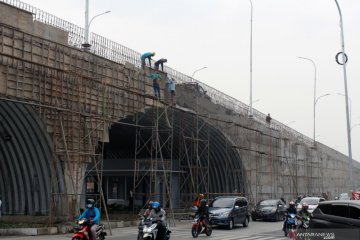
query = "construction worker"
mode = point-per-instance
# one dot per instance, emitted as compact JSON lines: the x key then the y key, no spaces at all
{"x":147,"y":56}
{"x":160,"y":62}
{"x":171,"y":88}
{"x":156,"y":78}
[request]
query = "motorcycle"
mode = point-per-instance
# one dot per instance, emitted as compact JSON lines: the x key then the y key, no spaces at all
{"x":150,"y":230}
{"x":290,"y":229}
{"x":303,"y":226}
{"x":304,"y":222}
{"x":200,"y":227}
{"x":82,"y":231}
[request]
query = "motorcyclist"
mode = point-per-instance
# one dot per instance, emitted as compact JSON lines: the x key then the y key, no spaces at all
{"x":148,"y":210}
{"x":159,"y":214}
{"x":290,"y":209}
{"x":92,"y":214}
{"x":198,"y":200}
{"x":304,"y":213}
{"x":203,"y":212}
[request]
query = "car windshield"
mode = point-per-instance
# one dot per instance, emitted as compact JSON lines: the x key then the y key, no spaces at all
{"x":222,"y":203}
{"x":310,"y":201}
{"x":268,"y":203}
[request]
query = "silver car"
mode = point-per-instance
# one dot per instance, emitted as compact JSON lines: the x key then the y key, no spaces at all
{"x":313,"y":202}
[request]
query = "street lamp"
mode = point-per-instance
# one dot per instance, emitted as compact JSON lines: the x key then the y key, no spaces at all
{"x":86,"y":45}
{"x":197,"y":122}
{"x":251,"y":21}
{"x":192,"y":76}
{"x":344,"y":60}
{"x":308,"y":59}
{"x":327,"y":94}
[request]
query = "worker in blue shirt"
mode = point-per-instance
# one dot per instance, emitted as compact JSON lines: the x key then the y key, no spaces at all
{"x":91,"y":213}
{"x":145,"y":56}
{"x":171,"y":88}
{"x":156,"y":78}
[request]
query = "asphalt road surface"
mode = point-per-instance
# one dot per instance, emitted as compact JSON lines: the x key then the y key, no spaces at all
{"x":258,"y":230}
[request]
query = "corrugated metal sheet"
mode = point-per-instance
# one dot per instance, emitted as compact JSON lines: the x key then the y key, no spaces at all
{"x":25,"y":161}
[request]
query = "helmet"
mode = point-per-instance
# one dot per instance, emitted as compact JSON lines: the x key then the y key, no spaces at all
{"x":201,"y":196}
{"x":90,"y":203}
{"x":305,"y":206}
{"x":150,"y":203}
{"x":292,"y":204}
{"x":203,"y":202}
{"x":155,"y":205}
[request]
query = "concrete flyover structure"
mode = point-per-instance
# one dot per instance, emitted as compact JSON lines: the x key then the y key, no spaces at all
{"x":77,"y":123}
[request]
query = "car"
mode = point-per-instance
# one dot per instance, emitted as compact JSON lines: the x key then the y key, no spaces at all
{"x":313,"y":202}
{"x":269,"y":209}
{"x":229,"y":211}
{"x":344,"y":196}
{"x":340,"y":218}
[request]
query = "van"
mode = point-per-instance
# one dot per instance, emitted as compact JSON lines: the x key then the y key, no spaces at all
{"x":229,"y":211}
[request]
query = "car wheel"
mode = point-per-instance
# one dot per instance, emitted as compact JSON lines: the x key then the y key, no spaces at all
{"x":231,"y":224}
{"x":246,"y":222}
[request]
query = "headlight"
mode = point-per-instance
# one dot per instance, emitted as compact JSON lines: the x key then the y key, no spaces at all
{"x":224,"y":214}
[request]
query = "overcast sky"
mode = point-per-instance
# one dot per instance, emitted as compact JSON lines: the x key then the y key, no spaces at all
{"x":216,"y":33}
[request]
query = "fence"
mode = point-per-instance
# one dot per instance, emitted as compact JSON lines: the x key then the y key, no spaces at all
{"x":116,"y":52}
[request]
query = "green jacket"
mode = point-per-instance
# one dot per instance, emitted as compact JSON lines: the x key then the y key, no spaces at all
{"x":154,"y":76}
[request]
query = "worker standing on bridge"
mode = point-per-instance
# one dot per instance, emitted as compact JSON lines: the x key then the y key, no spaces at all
{"x":171,"y":88}
{"x":160,"y":62}
{"x":156,"y":77}
{"x":147,"y":56}
{"x":268,"y":119}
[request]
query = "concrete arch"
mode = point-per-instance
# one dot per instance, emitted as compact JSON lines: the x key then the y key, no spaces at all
{"x":226,"y":172}
{"x":26,"y":161}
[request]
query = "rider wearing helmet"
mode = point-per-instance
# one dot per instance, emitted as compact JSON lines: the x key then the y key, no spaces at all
{"x":159,"y":214}
{"x":91,"y":213}
{"x":304,"y":211}
{"x":290,"y":209}
{"x":148,"y":210}
{"x":203,"y":212}
{"x":198,"y":199}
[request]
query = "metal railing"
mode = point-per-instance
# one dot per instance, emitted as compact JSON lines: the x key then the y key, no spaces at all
{"x":116,"y":52}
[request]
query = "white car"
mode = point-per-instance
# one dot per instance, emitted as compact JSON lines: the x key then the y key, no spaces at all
{"x":313,"y":202}
{"x":344,"y":196}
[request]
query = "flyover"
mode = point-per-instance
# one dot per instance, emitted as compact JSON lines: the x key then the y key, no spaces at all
{"x":78,"y":123}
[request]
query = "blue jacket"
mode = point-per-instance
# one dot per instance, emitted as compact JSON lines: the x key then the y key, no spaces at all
{"x":171,"y":84}
{"x":146,"y":55}
{"x":91,"y":214}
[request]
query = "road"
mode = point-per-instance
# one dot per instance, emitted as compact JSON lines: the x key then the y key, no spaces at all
{"x":258,"y":230}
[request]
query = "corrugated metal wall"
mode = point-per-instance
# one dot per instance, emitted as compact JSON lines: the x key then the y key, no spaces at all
{"x":26,"y":161}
